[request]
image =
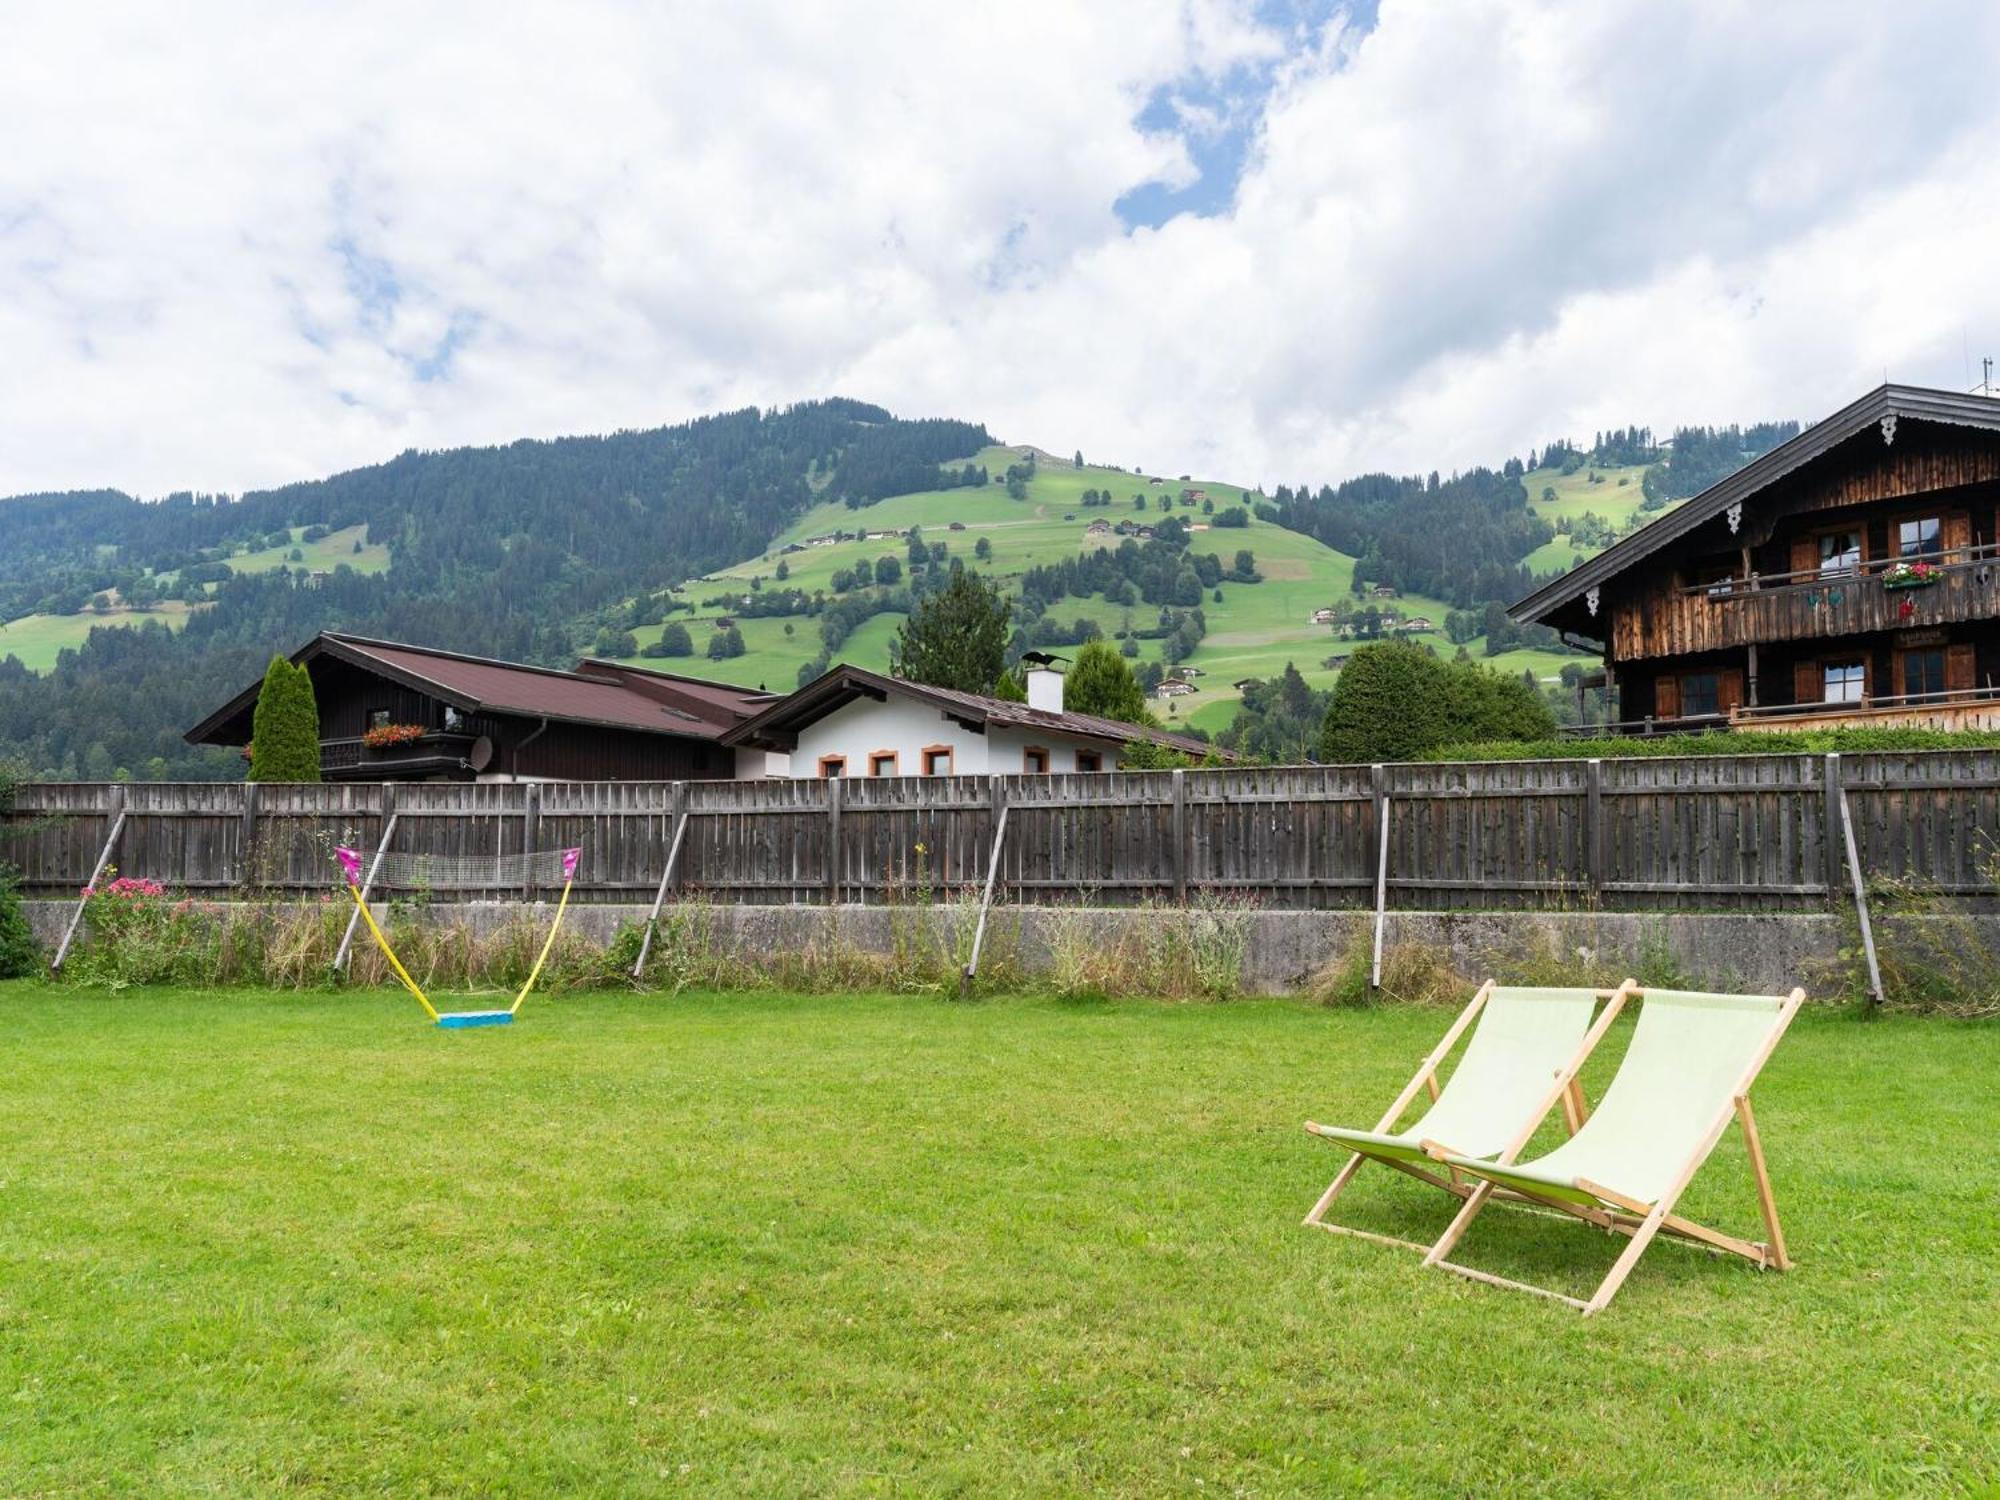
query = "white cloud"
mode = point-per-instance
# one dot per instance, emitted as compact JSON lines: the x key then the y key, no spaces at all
{"x":274,"y":241}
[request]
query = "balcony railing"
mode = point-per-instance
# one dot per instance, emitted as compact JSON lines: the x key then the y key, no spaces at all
{"x":1964,"y":708}
{"x":1832,"y":575}
{"x":1811,"y":604}
{"x":351,"y":754}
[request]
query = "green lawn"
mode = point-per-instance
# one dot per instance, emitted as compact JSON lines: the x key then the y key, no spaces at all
{"x":253,"y":1243}
{"x":39,"y":639}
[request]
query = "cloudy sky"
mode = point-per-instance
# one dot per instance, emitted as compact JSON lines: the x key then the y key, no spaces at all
{"x":1274,"y":240}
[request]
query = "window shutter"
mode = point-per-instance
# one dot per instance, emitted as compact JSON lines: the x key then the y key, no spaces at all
{"x":1959,"y":669}
{"x":1666,"y":697}
{"x":1729,"y":689}
{"x":1956,"y":531}
{"x":1805,"y":553}
{"x":1807,"y":685}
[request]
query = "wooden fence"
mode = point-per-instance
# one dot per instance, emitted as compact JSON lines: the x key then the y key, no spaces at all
{"x":1736,"y":833}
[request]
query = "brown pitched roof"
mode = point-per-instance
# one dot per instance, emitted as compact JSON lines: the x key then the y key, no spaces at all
{"x":843,"y":684}
{"x":614,"y":697}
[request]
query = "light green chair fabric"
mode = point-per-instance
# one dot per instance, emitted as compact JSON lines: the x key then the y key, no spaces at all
{"x":1523,"y":1038}
{"x":1689,"y":1054}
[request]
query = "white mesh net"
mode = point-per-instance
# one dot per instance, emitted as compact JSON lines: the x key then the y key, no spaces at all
{"x":400,"y":870}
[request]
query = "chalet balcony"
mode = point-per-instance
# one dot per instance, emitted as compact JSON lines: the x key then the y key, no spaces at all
{"x":437,"y":753}
{"x":1964,"y":709}
{"x":1812,"y":605}
{"x":1970,"y":708}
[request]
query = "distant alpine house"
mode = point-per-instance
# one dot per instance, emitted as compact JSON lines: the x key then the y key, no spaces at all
{"x":1848,"y":577}
{"x":394,"y":712}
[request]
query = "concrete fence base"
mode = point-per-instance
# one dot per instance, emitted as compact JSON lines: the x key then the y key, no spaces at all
{"x":1283,"y":951}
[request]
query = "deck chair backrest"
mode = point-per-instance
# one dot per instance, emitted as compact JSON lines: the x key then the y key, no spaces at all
{"x":1688,"y":1056}
{"x":1524,"y":1037}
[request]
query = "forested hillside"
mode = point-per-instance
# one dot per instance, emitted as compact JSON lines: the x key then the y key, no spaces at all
{"x":496,"y":550}
{"x":765,"y":544}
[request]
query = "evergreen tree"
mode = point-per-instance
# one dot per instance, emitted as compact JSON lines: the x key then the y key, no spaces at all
{"x":957,"y":637}
{"x":1100,"y":682}
{"x":675,"y":640}
{"x":284,"y":728}
{"x":1388,"y":704}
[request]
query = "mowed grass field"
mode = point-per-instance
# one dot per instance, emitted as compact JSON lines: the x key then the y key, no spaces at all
{"x":1612,"y":493}
{"x":1254,"y":631}
{"x":39,"y":639}
{"x":334,"y":550}
{"x":254,"y":1243}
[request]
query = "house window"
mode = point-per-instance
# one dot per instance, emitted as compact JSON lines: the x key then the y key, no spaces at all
{"x":1923,"y":672}
{"x":831,"y":766}
{"x":1845,"y":681}
{"x":453,"y":719}
{"x":1700,"y":694}
{"x":882,"y":763}
{"x":1035,"y":761}
{"x":378,"y":718}
{"x":1089,"y":760}
{"x":937,"y":760}
{"x":1919,"y":538}
{"x":1839,"y":553}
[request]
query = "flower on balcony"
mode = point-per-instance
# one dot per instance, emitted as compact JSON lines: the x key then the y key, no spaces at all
{"x":1910,"y":575}
{"x":383,"y":736}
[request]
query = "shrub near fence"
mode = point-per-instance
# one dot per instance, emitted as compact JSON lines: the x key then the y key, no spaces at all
{"x":1710,"y":832}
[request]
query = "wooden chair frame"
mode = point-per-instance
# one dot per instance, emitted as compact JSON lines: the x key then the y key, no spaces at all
{"x":1641,"y":1221}
{"x":1566,"y":1090}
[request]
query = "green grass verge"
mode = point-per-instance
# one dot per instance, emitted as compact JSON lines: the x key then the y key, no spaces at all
{"x":253,"y":1243}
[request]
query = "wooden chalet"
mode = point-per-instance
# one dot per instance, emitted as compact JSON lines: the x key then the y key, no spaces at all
{"x":395,"y":712}
{"x":1849,"y":577}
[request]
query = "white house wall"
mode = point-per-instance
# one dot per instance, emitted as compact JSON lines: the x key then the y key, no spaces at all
{"x":862,"y":728}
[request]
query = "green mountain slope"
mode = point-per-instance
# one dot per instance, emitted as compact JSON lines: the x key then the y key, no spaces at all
{"x":1254,"y":630}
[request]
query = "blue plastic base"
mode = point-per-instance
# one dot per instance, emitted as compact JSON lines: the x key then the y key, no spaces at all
{"x":454,"y":1019}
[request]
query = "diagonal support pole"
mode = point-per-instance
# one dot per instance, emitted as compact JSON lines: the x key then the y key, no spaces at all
{"x":1860,"y":886}
{"x":666,"y":877}
{"x":985,"y":901}
{"x":346,"y":951}
{"x":96,"y":871}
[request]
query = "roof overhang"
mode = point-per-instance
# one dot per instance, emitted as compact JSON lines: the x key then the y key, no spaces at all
{"x":1880,"y":410}
{"x":777,"y":727}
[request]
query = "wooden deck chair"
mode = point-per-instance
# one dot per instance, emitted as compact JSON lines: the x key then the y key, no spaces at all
{"x":1690,"y":1067}
{"x":1520,"y":1063}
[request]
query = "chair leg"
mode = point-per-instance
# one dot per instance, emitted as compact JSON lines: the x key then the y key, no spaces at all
{"x":1336,"y":1188}
{"x":1455,"y":1231}
{"x":1767,"y":1203}
{"x":1634,"y":1248}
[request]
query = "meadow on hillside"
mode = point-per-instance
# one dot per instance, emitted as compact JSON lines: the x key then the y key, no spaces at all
{"x":1254,"y":629}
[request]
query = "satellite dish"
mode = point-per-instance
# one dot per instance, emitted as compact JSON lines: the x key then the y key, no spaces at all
{"x":480,"y":756}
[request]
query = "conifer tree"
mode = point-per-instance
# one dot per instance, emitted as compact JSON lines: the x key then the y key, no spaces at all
{"x":284,"y":730}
